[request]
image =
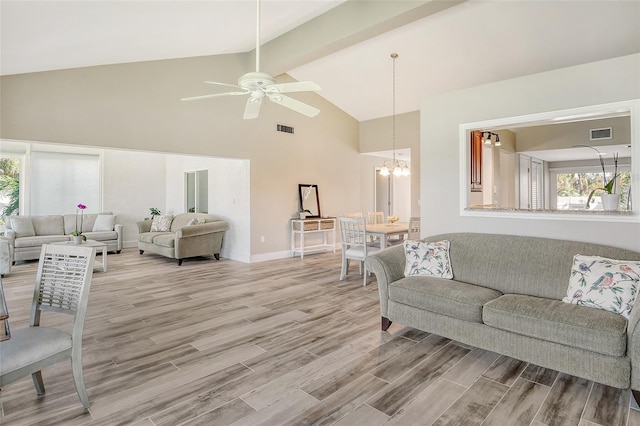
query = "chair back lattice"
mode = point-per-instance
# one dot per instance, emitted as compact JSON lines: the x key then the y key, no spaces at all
{"x":414,"y":228}
{"x":63,"y":280}
{"x":376,"y":217}
{"x":353,"y":231}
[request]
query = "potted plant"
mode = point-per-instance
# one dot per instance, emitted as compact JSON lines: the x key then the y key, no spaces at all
{"x":153,"y":212}
{"x":78,"y":238}
{"x":610,"y":200}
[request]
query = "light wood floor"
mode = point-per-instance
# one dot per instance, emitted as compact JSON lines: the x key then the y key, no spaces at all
{"x":281,"y":342}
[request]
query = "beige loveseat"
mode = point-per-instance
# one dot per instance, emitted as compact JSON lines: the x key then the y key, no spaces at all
{"x":27,"y":240}
{"x":506,"y":296}
{"x":185,"y":238}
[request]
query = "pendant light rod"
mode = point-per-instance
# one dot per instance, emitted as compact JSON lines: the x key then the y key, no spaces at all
{"x":258,"y":36}
{"x":394,"y":56}
{"x":398,"y":168}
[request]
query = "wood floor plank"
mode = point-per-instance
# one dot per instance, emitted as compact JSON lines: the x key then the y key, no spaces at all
{"x":271,"y":392}
{"x":395,"y":368}
{"x":474,"y":405}
{"x":339,"y":404}
{"x":541,"y":375}
{"x":280,"y":411}
{"x":566,"y":401}
{"x":520,"y":404}
{"x":471,"y":367}
{"x":364,"y":415}
{"x":429,"y":405}
{"x":348,"y":372}
{"x":607,"y":405}
{"x":505,"y":370}
{"x":415,"y":380}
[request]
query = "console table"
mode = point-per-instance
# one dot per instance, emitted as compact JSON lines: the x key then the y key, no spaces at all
{"x":307,"y":227}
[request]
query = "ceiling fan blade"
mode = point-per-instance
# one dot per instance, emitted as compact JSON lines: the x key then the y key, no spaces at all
{"x":223,"y":84}
{"x":294,"y":104}
{"x":215,"y":95}
{"x":299,"y":86}
{"x":252,"y":109}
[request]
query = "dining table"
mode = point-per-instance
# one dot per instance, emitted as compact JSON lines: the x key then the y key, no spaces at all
{"x":384,"y":230}
{"x":4,"y":316}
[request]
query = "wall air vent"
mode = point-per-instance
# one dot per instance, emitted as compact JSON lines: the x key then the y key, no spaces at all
{"x":600,"y":134}
{"x":285,"y":129}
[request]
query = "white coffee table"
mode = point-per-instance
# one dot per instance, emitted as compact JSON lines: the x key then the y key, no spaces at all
{"x":91,"y":243}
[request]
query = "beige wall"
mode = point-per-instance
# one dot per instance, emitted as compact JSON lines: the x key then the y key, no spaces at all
{"x":594,"y":83}
{"x":377,"y":135}
{"x":136,"y":106}
{"x":566,"y":135}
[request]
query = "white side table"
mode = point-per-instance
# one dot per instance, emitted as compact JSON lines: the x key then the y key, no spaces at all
{"x":306,"y":227}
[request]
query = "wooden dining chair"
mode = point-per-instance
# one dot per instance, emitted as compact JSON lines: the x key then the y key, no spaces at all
{"x":354,"y":245}
{"x":376,"y":217}
{"x":62,"y":286}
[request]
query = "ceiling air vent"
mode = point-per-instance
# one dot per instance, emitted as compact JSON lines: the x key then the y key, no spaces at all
{"x":600,"y":134}
{"x":285,"y":129}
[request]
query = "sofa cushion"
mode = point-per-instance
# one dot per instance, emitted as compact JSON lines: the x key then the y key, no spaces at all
{"x":161,"y":223}
{"x":167,"y":239}
{"x":555,"y":321}
{"x":427,"y":258}
{"x":22,"y":226}
{"x":104,"y":222}
{"x":39,"y":240}
{"x":447,"y":297}
{"x":101,"y":235}
{"x":602,"y":283}
{"x":148,"y":237}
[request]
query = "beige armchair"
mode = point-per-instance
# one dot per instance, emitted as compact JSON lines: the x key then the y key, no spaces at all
{"x":185,"y":238}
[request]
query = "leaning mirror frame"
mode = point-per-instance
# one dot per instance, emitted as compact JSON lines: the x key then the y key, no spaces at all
{"x":465,"y":130}
{"x":309,"y":199}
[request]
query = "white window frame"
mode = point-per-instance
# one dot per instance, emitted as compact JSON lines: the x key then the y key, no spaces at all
{"x":465,"y":129}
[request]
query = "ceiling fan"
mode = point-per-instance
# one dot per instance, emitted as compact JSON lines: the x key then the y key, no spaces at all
{"x":259,"y":85}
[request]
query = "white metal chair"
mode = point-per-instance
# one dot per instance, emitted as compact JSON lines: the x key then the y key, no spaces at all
{"x":414,"y":228}
{"x":354,"y":245}
{"x":62,"y":286}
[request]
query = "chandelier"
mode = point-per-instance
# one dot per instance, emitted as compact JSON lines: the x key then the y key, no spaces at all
{"x":397,"y":167}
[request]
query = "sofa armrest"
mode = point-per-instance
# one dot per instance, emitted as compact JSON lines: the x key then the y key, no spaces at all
{"x":10,"y":235}
{"x":144,"y":226}
{"x":388,"y":265}
{"x":120,"y":231}
{"x":202,"y":229}
{"x":633,"y":347}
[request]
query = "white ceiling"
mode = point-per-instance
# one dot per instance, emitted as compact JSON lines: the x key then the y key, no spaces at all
{"x":475,"y":42}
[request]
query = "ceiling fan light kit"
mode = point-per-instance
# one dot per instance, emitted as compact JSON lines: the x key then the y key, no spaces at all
{"x":259,"y":85}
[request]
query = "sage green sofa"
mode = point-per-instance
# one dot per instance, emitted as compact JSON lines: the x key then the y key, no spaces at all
{"x":184,"y":239}
{"x":506,"y":297}
{"x":47,"y":229}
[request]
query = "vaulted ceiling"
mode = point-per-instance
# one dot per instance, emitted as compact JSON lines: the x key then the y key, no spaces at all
{"x":442,"y":45}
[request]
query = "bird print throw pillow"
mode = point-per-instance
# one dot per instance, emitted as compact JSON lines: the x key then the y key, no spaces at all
{"x":424,"y":258}
{"x":604,"y":283}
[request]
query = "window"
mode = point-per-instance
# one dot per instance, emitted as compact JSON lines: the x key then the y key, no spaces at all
{"x":9,"y":185}
{"x":60,"y":181}
{"x":575,"y":185}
